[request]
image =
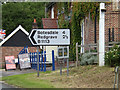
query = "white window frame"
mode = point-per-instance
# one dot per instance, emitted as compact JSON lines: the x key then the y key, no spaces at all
{"x":115,"y":5}
{"x":52,"y":12}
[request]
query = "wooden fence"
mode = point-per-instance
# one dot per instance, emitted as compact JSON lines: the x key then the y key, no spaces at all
{"x":90,"y":46}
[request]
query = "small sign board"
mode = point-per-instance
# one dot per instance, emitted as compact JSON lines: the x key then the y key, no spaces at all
{"x":63,"y":52}
{"x":10,"y":62}
{"x":24,"y":61}
{"x":50,"y":37}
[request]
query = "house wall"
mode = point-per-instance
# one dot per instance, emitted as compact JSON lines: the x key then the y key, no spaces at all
{"x":11,"y":51}
{"x":89,"y":31}
{"x":112,"y":20}
{"x":49,"y":52}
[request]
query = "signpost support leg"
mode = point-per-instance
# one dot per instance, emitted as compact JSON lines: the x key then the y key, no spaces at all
{"x":34,"y":60}
{"x":118,"y":77}
{"x":44,"y":61}
{"x":60,"y":69}
{"x":67,"y":67}
{"x":37,"y":61}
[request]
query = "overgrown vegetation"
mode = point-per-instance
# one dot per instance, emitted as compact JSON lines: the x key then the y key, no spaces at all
{"x":112,"y":57}
{"x":71,"y":17}
{"x":88,"y":59}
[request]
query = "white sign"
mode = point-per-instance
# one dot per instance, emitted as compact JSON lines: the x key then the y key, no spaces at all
{"x":63,"y":52}
{"x":24,"y":61}
{"x":50,"y":37}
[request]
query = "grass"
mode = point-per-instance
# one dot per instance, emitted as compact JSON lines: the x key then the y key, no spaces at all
{"x":28,"y":80}
{"x":0,"y":78}
{"x":91,"y":76}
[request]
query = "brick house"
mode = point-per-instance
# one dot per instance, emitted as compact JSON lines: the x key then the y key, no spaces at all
{"x":90,"y":28}
{"x":14,"y":43}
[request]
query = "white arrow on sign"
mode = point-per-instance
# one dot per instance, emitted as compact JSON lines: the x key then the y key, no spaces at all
{"x":50,"y":37}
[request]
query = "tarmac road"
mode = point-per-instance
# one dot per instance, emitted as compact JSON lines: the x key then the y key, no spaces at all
{"x":16,"y":72}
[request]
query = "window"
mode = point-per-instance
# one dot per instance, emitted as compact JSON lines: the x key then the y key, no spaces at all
{"x":115,"y":5}
{"x":111,"y":34}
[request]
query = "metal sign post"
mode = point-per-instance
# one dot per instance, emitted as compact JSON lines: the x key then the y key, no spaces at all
{"x":63,"y":53}
{"x":61,"y":62}
{"x":37,"y":61}
{"x":116,"y":81}
{"x":51,"y":37}
{"x":67,"y":67}
{"x":60,"y":69}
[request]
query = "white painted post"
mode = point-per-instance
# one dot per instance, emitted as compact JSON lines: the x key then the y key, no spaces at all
{"x":102,"y":34}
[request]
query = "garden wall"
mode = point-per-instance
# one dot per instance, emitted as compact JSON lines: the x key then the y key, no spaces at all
{"x":11,"y":51}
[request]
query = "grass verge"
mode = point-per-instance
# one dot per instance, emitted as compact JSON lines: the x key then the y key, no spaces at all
{"x":91,"y":76}
{"x":28,"y":80}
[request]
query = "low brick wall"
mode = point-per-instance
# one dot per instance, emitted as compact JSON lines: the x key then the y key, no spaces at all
{"x":11,"y":51}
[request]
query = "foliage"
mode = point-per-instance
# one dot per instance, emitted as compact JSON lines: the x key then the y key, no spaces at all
{"x":112,"y":57}
{"x":88,"y":59}
{"x":63,"y":12}
{"x":64,"y":15}
{"x":79,"y":11}
{"x":21,"y":13}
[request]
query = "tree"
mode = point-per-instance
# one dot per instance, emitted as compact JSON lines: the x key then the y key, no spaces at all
{"x":21,"y":13}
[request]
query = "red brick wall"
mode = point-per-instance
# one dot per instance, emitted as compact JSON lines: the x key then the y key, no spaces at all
{"x":112,"y":20}
{"x":12,"y":51}
{"x":88,"y":31}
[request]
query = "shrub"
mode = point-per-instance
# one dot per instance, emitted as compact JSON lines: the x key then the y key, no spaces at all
{"x":112,"y":57}
{"x":88,"y":59}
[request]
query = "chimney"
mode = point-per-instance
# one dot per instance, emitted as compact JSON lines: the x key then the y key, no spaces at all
{"x":34,"y":26}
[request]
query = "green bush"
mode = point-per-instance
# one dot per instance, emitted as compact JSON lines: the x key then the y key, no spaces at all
{"x":112,"y":57}
{"x":88,"y":59}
